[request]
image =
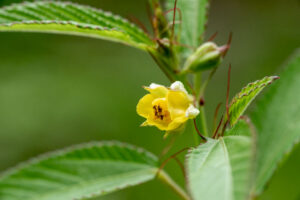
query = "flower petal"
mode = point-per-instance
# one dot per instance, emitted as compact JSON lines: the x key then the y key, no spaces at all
{"x":176,"y":123}
{"x":144,"y":106}
{"x":178,"y":103}
{"x":178,"y":86}
{"x":161,"y":126}
{"x":191,"y":112}
{"x":158,"y":91}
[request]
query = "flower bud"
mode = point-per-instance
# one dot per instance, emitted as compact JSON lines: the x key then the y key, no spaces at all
{"x":207,"y":56}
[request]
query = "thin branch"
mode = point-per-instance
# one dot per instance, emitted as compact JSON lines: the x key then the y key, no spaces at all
{"x":219,"y":125}
{"x":199,"y":133}
{"x":170,"y":158}
{"x":180,"y":165}
{"x":227,"y":94}
{"x":139,"y":23}
{"x":213,"y":36}
{"x":216,"y":115}
{"x":174,"y":18}
{"x":224,"y":49}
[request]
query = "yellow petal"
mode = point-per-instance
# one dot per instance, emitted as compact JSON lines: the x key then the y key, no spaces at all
{"x":161,"y":126}
{"x":177,"y":122}
{"x":145,"y":123}
{"x":144,"y":106}
{"x":178,"y":103}
{"x":158,"y":91}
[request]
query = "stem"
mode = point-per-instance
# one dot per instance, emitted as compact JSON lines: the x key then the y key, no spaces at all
{"x":203,"y":121}
{"x":203,"y":88}
{"x":197,"y":86}
{"x":198,"y":132}
{"x":196,"y":137}
{"x":165,"y":178}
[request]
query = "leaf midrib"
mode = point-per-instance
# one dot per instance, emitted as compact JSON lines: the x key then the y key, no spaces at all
{"x":226,"y":155}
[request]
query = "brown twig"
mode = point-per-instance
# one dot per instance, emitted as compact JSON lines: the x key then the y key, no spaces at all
{"x":171,"y":157}
{"x":216,"y":115}
{"x":227,"y":93}
{"x":174,"y":17}
{"x":219,"y":125}
{"x":199,"y":133}
{"x":225,"y":48}
{"x":211,"y":38}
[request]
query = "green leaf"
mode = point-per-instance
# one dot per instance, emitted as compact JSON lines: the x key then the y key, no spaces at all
{"x":243,"y":99}
{"x":221,"y":169}
{"x":241,"y":128}
{"x":80,"y":172}
{"x":194,"y":18}
{"x":73,"y":19}
{"x":277,"y":118}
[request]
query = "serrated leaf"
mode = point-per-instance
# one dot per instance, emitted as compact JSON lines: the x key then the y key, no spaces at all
{"x":221,"y":169}
{"x":73,"y":19}
{"x":277,"y":118}
{"x":80,"y":172}
{"x":243,"y":99}
{"x":193,"y":21}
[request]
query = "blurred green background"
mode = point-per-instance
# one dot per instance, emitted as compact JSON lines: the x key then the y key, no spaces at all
{"x":58,"y":90}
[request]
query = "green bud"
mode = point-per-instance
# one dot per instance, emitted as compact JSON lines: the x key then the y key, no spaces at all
{"x":207,"y":56}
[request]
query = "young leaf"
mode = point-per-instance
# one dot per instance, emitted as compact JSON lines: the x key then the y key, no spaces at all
{"x":243,"y":99}
{"x":277,"y":118}
{"x":73,"y":19}
{"x":81,"y":172}
{"x":193,"y":20}
{"x":221,"y":169}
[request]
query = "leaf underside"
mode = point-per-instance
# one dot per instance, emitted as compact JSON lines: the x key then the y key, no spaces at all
{"x":73,"y":19}
{"x":81,"y":172}
{"x":221,"y":169}
{"x":244,"y":98}
{"x":277,"y":118}
{"x":193,"y":20}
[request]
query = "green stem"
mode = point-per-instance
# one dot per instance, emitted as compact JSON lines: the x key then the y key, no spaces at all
{"x":165,"y":178}
{"x":203,"y":87}
{"x":197,"y":86}
{"x":196,"y":137}
{"x":203,"y":121}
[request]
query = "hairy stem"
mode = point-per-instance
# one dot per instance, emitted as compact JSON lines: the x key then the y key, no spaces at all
{"x":165,"y":178}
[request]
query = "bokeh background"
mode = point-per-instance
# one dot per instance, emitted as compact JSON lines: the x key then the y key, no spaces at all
{"x":56,"y":91}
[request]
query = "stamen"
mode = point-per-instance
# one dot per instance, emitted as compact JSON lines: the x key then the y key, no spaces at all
{"x":159,"y":109}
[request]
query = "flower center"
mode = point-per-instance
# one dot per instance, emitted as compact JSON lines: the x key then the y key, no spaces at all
{"x":160,"y":110}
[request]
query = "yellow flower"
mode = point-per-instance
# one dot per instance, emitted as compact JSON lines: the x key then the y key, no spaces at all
{"x":166,"y":108}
